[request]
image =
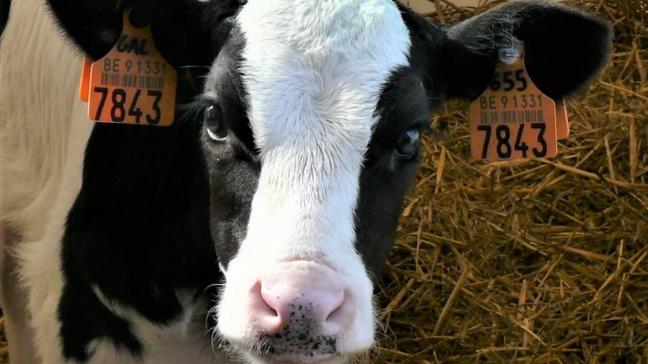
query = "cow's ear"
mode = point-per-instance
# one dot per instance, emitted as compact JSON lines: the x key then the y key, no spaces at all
{"x":564,"y":48}
{"x":183,"y":29}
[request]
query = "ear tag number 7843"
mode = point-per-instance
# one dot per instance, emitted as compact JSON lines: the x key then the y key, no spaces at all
{"x":512,"y":119}
{"x":133,"y":83}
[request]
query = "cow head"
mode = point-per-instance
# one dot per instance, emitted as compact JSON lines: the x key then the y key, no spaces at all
{"x":312,"y":116}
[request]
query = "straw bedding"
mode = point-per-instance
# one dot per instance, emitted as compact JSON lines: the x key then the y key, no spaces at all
{"x":539,"y":261}
{"x":542,"y":261}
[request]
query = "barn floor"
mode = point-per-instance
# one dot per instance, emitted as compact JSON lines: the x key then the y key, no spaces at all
{"x":541,"y":261}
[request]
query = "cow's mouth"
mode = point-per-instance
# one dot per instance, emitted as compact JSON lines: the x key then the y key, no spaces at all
{"x":297,"y":349}
{"x":301,"y":358}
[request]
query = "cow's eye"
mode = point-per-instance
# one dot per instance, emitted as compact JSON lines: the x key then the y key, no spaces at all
{"x":216,"y":128}
{"x":408,"y":144}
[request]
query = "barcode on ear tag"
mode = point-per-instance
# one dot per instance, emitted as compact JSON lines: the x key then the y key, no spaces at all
{"x":512,"y":119}
{"x":133,"y":83}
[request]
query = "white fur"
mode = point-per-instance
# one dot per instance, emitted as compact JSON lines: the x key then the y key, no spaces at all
{"x":43,"y":141}
{"x":314,"y":71}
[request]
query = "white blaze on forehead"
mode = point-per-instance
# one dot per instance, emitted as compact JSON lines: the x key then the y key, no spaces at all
{"x":314,"y":71}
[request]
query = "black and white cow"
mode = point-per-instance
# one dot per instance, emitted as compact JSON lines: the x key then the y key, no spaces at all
{"x":267,"y":210}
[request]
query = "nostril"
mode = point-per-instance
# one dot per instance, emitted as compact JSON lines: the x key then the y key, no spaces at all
{"x":335,"y":306}
{"x":265,"y":312}
{"x":270,"y":300}
{"x":339,"y":315}
{"x":335,"y":315}
{"x":269,"y":310}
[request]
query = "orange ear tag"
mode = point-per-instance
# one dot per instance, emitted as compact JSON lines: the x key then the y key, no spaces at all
{"x":562,"y":121}
{"x":512,"y":119}
{"x":133,"y":83}
{"x":84,"y":84}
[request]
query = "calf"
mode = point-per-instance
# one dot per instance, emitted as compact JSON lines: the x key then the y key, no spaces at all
{"x":268,"y":209}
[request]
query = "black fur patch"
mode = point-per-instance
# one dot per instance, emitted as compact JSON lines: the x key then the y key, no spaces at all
{"x":138,"y":231}
{"x":5,"y":5}
{"x":139,"y":228}
{"x":386,"y":176}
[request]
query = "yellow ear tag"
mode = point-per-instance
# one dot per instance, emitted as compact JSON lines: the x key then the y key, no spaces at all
{"x":562,"y":121}
{"x":133,"y":83}
{"x":512,"y":119}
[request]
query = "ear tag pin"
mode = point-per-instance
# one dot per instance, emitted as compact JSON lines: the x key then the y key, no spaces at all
{"x":133,"y":83}
{"x":512,"y":119}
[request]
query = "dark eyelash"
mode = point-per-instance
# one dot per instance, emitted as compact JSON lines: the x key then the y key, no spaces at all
{"x":192,"y":112}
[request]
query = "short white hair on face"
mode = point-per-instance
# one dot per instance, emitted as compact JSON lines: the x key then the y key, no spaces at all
{"x":313,"y":72}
